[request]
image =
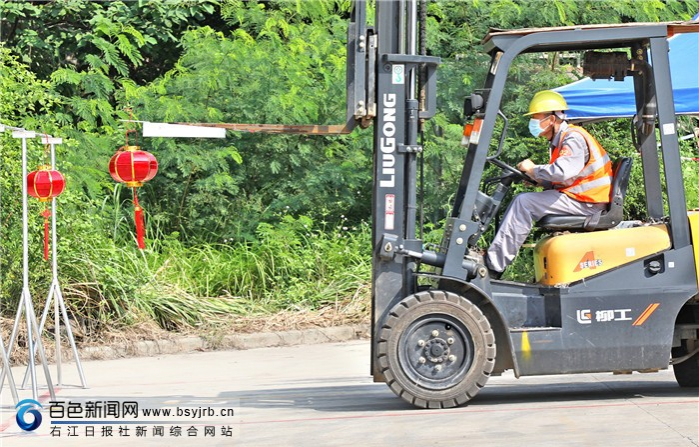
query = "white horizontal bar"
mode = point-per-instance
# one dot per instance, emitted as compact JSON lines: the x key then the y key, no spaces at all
{"x":181,"y":131}
{"x":4,"y":127}
{"x":51,"y":140}
{"x":23,"y":134}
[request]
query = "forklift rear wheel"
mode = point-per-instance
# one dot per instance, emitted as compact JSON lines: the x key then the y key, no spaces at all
{"x":436,"y":349}
{"x":686,"y":372}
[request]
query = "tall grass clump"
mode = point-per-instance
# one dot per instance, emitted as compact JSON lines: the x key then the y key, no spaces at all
{"x":292,"y":265}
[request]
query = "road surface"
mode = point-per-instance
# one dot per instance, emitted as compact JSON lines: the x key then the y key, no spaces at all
{"x":322,"y":395}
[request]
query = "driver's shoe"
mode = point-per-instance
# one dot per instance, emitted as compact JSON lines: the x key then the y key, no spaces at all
{"x":494,"y":274}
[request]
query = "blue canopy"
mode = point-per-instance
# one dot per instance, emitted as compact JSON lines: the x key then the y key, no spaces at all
{"x":597,"y":99}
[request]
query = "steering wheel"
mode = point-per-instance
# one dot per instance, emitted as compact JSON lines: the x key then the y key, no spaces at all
{"x":519,"y":175}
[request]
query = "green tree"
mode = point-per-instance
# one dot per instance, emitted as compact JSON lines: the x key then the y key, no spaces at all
{"x":61,"y":33}
{"x":276,"y":67}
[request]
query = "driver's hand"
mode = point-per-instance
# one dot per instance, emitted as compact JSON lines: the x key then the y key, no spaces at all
{"x":526,"y":166}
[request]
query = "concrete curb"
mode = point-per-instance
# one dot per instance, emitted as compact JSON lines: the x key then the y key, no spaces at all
{"x":236,"y":341}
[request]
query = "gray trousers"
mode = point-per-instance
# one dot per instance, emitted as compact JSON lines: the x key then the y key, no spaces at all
{"x":517,"y":222}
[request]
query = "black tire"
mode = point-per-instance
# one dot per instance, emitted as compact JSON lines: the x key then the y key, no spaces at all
{"x":686,"y":372}
{"x":436,"y":349}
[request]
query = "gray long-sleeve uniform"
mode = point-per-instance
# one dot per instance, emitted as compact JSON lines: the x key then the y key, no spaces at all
{"x":532,"y":206}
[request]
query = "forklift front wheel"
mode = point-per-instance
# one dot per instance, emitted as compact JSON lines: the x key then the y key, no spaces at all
{"x":436,"y":349}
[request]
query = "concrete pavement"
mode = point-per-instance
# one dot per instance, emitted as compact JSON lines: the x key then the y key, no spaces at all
{"x":322,"y":395}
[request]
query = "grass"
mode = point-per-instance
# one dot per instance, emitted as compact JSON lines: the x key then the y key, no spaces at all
{"x":292,"y":267}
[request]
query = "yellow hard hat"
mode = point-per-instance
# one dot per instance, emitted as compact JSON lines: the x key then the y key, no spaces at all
{"x":547,"y":101}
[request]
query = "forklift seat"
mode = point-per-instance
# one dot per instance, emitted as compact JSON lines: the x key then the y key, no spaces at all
{"x":609,"y":218}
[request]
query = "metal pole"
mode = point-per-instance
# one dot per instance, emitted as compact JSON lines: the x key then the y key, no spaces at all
{"x":30,"y":316}
{"x":422,"y":51}
{"x":69,"y":331}
{"x":40,"y":346}
{"x":10,"y":377}
{"x":5,"y":358}
{"x":401,"y":26}
{"x":55,"y":294}
{"x":17,"y":133}
{"x":412,"y":43}
{"x":15,"y":328}
{"x":25,"y":271}
{"x":56,"y":289}
{"x":54,"y":271}
{"x":411,"y":126}
{"x":56,"y":335}
{"x":41,"y":330}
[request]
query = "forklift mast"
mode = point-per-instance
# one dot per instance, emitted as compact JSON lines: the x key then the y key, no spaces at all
{"x":382,"y":82}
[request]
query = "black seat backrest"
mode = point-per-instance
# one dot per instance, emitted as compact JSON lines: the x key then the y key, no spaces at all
{"x":620,"y":182}
{"x":622,"y":173}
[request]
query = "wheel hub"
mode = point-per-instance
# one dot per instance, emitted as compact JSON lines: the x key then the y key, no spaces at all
{"x":436,"y":350}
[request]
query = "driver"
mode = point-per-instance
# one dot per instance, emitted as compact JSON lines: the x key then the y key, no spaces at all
{"x":577,"y":179}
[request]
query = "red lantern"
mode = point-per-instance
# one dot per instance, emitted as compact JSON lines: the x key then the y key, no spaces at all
{"x":45,"y":184}
{"x":133,"y":167}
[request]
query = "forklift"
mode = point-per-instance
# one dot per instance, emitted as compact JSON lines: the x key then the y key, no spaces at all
{"x":609,"y":296}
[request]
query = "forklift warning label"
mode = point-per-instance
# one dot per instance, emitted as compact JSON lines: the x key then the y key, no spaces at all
{"x":390,"y":218}
{"x":398,"y":74}
{"x":588,"y":261}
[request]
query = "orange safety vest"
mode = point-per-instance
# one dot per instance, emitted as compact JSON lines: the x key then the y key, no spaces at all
{"x":594,"y":183}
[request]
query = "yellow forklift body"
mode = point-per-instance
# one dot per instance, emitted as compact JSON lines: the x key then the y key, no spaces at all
{"x":694,"y":228}
{"x":567,"y":258}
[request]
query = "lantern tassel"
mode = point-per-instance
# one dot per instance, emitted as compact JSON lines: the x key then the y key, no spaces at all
{"x":46,"y":213}
{"x":140,"y":225}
